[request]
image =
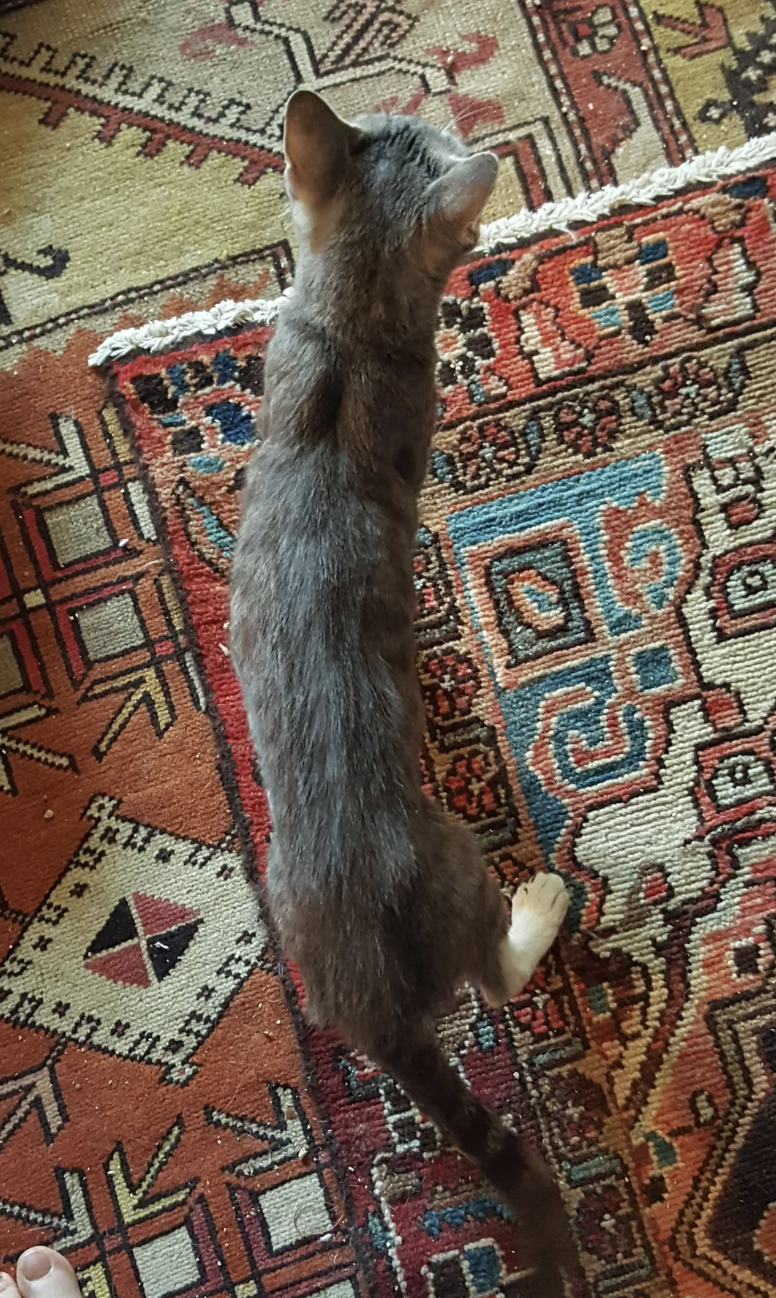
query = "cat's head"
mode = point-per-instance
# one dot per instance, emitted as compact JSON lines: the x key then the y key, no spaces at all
{"x":396,"y":182}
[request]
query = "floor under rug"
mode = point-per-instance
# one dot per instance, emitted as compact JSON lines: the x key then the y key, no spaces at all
{"x":596,"y":606}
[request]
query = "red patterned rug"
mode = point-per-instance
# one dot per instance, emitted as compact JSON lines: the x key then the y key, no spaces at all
{"x":596,"y":575}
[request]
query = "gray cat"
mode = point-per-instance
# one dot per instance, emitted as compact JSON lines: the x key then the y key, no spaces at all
{"x":385,"y":904}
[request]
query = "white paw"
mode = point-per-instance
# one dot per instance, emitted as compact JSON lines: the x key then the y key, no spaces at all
{"x":538,"y":910}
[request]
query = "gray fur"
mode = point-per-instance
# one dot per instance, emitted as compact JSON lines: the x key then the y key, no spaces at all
{"x":384,"y":903}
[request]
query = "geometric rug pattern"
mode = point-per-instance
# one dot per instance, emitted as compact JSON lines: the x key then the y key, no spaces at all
{"x":596,"y":579}
{"x":599,"y":696}
{"x":159,"y":127}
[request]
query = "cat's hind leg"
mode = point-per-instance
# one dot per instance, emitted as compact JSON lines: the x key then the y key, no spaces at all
{"x":538,"y":910}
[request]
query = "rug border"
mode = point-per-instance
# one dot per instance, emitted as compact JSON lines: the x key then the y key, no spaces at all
{"x":584,"y":209}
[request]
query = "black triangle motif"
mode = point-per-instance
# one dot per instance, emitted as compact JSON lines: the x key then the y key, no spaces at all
{"x":118,"y":928}
{"x":166,"y":949}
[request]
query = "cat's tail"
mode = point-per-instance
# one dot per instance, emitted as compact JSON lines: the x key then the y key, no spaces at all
{"x":521,"y":1180}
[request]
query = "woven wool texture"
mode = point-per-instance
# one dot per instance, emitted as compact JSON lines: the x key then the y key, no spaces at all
{"x":595,"y":575}
{"x":595,"y":580}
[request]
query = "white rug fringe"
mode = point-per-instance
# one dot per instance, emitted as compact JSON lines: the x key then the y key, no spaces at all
{"x":159,"y":335}
{"x":585,"y":208}
{"x":704,"y":169}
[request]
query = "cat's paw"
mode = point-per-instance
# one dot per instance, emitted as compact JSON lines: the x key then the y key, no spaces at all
{"x":538,"y":910}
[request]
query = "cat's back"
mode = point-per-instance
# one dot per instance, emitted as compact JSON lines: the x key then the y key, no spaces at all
{"x":322,"y":567}
{"x":305,"y":536}
{"x":322,"y":641}
{"x":322,"y":600}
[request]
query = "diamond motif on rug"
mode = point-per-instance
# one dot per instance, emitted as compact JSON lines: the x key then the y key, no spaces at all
{"x":142,"y":940}
{"x":129,"y":945}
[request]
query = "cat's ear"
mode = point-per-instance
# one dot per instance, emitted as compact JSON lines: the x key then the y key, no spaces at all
{"x":317,"y":144}
{"x":458,"y":196}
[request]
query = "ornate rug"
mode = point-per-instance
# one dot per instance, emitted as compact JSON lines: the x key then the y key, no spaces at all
{"x":156,"y":126}
{"x":596,"y":574}
{"x":595,"y":601}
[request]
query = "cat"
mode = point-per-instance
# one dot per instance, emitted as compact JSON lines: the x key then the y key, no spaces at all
{"x":385,"y":904}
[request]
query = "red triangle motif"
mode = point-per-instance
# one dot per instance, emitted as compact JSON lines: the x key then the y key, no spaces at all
{"x":125,"y":966}
{"x":157,"y":915}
